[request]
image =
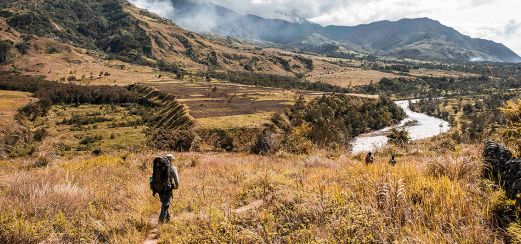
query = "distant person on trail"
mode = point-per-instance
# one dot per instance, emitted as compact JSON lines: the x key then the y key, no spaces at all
{"x":369,"y":158}
{"x":392,"y":161}
{"x":163,"y":181}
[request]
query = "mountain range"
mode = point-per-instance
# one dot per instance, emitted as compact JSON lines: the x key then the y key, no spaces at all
{"x":420,"y":38}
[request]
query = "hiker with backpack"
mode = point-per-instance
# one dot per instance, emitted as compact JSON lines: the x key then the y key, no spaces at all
{"x":369,"y":159}
{"x":392,"y":161}
{"x":163,"y":181}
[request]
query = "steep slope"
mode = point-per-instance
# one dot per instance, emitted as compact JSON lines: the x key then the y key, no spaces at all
{"x":98,"y":31}
{"x":413,"y":38}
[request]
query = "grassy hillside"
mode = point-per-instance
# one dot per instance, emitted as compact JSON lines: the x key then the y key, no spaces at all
{"x":12,"y":134}
{"x":245,"y":198}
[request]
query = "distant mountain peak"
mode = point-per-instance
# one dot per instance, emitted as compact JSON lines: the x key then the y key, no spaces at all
{"x":409,"y":37}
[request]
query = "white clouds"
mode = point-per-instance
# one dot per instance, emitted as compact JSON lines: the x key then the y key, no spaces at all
{"x":351,"y":12}
{"x":161,"y":7}
{"x":498,"y":20}
{"x":511,"y":28}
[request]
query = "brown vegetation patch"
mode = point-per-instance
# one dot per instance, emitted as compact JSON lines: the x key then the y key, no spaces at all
{"x":346,"y":76}
{"x":208,"y":100}
{"x":11,"y":101}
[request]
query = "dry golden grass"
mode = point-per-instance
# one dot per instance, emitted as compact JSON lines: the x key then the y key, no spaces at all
{"x":11,"y":101}
{"x":79,"y":63}
{"x":11,"y":131}
{"x":256,"y":120}
{"x":344,"y":72}
{"x":328,"y":200}
{"x":346,"y":76}
{"x":81,"y":200}
{"x":251,"y":199}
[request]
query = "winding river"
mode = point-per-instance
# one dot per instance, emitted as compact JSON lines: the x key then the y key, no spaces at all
{"x":426,"y":127}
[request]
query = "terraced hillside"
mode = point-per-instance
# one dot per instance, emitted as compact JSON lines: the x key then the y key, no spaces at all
{"x":227,"y":105}
{"x":172,"y":113}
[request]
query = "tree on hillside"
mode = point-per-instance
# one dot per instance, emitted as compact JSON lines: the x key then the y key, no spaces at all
{"x":5,"y":47}
{"x":399,"y":137}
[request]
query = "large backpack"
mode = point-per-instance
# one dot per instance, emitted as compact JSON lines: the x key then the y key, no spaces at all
{"x":161,"y":179}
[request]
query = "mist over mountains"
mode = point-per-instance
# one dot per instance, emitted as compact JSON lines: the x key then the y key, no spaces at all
{"x":421,"y":38}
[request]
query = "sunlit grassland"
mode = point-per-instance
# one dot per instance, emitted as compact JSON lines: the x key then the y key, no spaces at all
{"x":11,"y":101}
{"x":74,"y":200}
{"x":112,"y":132}
{"x":256,"y":120}
{"x":302,"y":198}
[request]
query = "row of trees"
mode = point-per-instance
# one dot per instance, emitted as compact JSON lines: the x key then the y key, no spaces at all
{"x":272,"y":80}
{"x":439,"y":86}
{"x":50,"y":92}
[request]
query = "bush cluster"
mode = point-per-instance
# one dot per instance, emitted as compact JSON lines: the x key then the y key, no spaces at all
{"x":306,"y":61}
{"x":180,"y":140}
{"x":399,"y":137}
{"x":5,"y":48}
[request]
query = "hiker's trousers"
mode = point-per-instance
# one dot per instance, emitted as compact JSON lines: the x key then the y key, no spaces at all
{"x":165,"y":198}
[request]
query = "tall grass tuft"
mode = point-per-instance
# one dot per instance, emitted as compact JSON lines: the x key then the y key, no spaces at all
{"x":455,"y":168}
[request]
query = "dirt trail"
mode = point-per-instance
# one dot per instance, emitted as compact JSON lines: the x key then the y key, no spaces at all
{"x":153,"y":235}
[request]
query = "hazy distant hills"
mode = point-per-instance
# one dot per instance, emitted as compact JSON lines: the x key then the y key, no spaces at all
{"x":410,"y":38}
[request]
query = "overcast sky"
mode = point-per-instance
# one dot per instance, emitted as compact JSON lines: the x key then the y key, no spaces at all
{"x":497,"y":20}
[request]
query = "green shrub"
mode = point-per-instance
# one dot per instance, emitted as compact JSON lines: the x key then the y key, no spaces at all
{"x":180,"y":140}
{"x":52,"y":50}
{"x":91,"y":139}
{"x":268,"y":142}
{"x":296,"y":140}
{"x":306,"y":61}
{"x":399,"y":137}
{"x":40,"y":134}
{"x":223,"y":141}
{"x":5,"y":54}
{"x":23,"y":47}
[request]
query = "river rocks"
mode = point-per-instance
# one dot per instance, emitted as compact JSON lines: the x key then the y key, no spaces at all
{"x":502,"y":168}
